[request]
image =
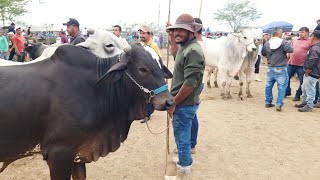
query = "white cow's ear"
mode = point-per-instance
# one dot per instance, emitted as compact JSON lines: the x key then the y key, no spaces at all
{"x":127,"y":48}
{"x":85,"y":45}
{"x":238,"y":35}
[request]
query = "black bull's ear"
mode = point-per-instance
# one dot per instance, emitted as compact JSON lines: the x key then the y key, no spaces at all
{"x":114,"y":73}
{"x":167,"y":73}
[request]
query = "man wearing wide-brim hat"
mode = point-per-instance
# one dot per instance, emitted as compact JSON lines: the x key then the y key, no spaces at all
{"x":186,"y":86}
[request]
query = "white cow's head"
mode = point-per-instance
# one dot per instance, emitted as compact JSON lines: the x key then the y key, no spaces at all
{"x":246,"y":37}
{"x":257,"y":35}
{"x":103,"y":44}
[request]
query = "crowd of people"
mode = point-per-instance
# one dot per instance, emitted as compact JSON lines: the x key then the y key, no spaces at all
{"x":300,"y":55}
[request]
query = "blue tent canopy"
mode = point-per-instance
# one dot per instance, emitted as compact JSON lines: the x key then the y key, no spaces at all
{"x":285,"y":26}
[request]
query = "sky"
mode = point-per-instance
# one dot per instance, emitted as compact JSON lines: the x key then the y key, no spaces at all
{"x":104,"y":14}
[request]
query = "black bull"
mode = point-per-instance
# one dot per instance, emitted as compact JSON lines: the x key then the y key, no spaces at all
{"x":58,"y":104}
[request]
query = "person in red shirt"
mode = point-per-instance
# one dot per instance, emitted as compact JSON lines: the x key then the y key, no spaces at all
{"x":18,"y":44}
{"x":301,"y":46}
{"x":64,"y":38}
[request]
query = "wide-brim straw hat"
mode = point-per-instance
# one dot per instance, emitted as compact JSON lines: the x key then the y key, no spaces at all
{"x":186,"y":21}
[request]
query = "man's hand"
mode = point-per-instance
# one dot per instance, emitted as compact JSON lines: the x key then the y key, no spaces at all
{"x":308,"y":71}
{"x":167,"y":25}
{"x":171,"y":111}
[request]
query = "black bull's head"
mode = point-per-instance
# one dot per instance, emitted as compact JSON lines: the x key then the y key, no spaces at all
{"x":146,"y":71}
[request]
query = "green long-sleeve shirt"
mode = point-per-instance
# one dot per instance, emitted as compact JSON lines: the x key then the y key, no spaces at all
{"x":3,"y":43}
{"x":189,"y":66}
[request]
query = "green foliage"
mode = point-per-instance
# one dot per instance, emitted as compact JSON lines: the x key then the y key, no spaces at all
{"x":10,"y":9}
{"x":237,"y":13}
{"x":129,"y":27}
{"x":126,"y":27}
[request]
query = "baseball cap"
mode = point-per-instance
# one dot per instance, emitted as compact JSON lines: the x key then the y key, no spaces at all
{"x":144,"y":28}
{"x":72,"y":22}
{"x":10,"y":33}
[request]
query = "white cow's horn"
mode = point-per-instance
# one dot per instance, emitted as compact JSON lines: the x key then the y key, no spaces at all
{"x":127,"y":49}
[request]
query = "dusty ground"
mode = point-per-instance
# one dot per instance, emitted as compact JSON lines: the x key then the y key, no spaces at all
{"x":237,"y":140}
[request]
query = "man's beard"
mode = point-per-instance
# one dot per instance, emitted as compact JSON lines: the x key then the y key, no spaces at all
{"x":181,"y":42}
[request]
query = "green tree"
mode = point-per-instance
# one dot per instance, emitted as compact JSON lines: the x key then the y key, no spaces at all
{"x":237,"y":13}
{"x":10,"y":9}
{"x":126,"y":27}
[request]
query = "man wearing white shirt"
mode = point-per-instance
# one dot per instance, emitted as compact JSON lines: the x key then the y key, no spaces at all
{"x":116,"y":30}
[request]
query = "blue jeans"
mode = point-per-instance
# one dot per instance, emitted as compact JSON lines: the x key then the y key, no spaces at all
{"x":292,"y":69}
{"x":2,"y":54}
{"x":150,"y":109}
{"x":182,"y":120}
{"x":12,"y":53}
{"x":195,"y":126}
{"x":318,"y":92}
{"x":309,"y":90}
{"x":194,"y":131}
{"x":279,"y":75}
{"x":257,"y":65}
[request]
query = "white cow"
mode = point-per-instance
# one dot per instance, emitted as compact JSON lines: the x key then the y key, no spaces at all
{"x":101,"y":43}
{"x":227,"y":54}
{"x":248,"y":65}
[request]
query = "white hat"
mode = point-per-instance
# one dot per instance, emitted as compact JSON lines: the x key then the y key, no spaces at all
{"x":10,"y":33}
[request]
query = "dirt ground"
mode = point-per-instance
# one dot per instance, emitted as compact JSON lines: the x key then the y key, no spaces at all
{"x":237,"y":140}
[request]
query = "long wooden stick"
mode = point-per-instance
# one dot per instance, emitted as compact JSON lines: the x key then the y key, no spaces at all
{"x":168,"y":118}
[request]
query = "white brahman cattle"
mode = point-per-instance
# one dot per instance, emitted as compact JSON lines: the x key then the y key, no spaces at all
{"x":227,"y":54}
{"x":101,"y":43}
{"x":248,"y":65}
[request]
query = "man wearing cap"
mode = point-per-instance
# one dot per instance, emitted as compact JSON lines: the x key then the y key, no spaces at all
{"x":3,"y":45}
{"x":18,"y":44}
{"x":145,"y":35}
{"x":312,"y":74}
{"x":186,"y":87}
{"x":74,"y":31}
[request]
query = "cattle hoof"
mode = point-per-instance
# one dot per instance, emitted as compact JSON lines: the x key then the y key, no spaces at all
{"x":223,"y":96}
{"x":216,"y":84}
{"x":229,"y":96}
{"x":208,"y":85}
{"x":241,"y":98}
{"x":249,"y":96}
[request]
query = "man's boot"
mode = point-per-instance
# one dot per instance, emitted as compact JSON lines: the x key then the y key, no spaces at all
{"x":183,"y":173}
{"x":257,"y":78}
{"x":305,"y":108}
